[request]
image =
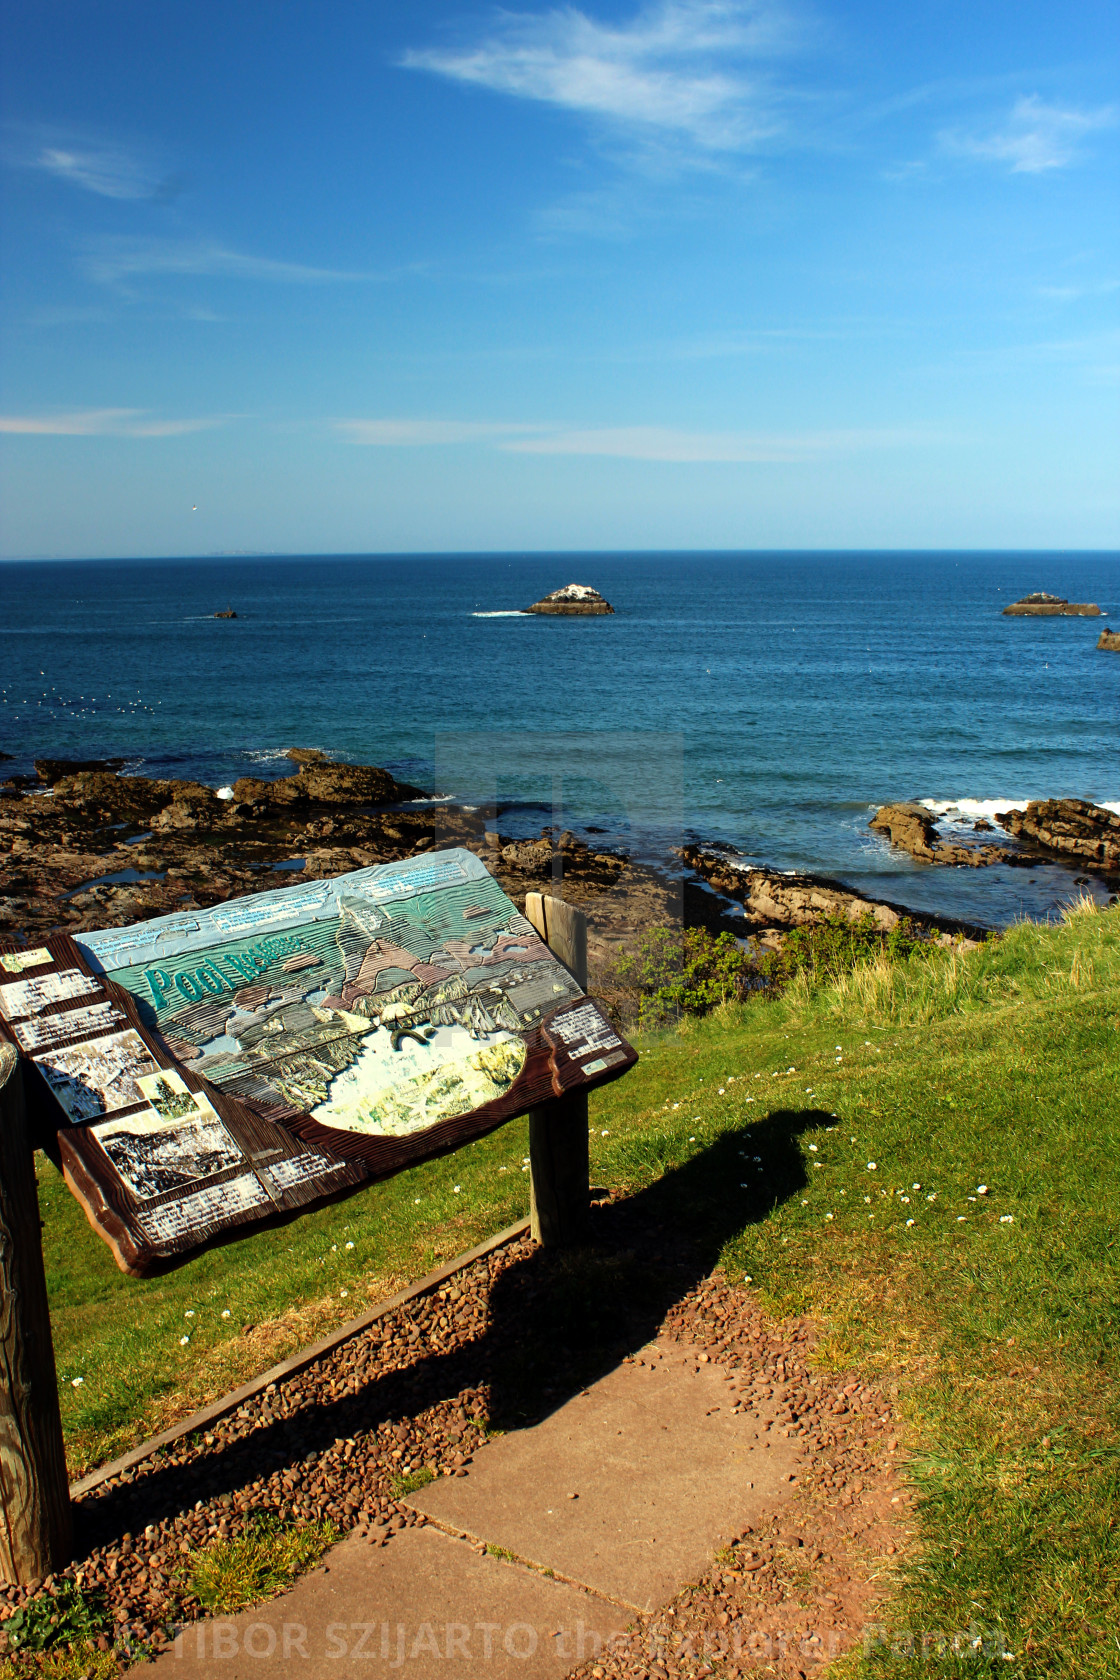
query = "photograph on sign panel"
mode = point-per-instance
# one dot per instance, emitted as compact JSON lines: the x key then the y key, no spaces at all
{"x":99,"y":1076}
{"x":179,"y":1140}
{"x":20,"y":999}
{"x":45,"y":1030}
{"x":402,"y":1002}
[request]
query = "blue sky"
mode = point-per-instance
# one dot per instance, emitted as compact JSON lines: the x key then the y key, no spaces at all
{"x":329,"y":276}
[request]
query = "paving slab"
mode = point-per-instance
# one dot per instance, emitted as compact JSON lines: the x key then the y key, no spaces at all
{"x":630,"y":1487}
{"x":425,"y":1605}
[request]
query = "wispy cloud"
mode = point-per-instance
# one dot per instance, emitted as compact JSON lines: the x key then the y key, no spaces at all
{"x":676,"y":71}
{"x":1035,"y":137}
{"x":661,"y":443}
{"x":110,"y":172}
{"x":110,"y":168}
{"x":105,"y":422}
{"x":1073,"y":293}
{"x":631,"y":443}
{"x":411,"y":434}
{"x":111,"y":261}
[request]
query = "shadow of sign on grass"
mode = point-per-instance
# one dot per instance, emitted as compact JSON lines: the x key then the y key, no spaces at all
{"x":557,"y":1321}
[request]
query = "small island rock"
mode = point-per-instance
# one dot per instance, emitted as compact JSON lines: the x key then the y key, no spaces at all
{"x":1110,"y":639}
{"x":576,"y":599}
{"x":1041,"y":605}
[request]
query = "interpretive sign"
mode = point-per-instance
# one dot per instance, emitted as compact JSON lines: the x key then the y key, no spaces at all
{"x":201,"y":1073}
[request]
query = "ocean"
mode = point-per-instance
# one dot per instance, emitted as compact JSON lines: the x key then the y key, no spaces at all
{"x":769,"y":701}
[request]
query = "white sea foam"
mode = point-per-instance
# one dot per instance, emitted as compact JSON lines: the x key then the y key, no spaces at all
{"x":971,"y":810}
{"x":516,"y":613}
{"x":224,"y":792}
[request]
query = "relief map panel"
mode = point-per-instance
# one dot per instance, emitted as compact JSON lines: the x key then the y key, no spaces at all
{"x":206,"y":1071}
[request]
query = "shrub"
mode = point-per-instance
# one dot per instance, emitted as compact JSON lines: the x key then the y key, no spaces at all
{"x":834,"y":946}
{"x":693,"y":972}
{"x":686,"y":973}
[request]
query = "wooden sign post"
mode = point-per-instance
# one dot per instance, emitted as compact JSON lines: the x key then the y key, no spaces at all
{"x":559,"y":1170}
{"x":35,"y":1523}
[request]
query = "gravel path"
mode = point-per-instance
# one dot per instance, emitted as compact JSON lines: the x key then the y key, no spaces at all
{"x":496,"y":1346}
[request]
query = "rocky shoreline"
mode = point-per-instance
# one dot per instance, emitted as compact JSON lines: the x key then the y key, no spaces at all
{"x":1068,"y":828}
{"x":87,"y":848}
{"x":775,"y":903}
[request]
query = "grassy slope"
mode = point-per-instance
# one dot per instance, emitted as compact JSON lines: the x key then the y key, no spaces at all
{"x":996,"y":1069}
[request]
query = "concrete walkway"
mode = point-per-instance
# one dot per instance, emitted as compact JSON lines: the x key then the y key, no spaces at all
{"x":605,"y":1508}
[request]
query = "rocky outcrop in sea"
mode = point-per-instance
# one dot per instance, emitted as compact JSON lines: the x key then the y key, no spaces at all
{"x":912,"y":827}
{"x":1041,"y":605}
{"x":1066,"y":827}
{"x":1110,"y":639}
{"x":1071,"y":827}
{"x":574,"y":600}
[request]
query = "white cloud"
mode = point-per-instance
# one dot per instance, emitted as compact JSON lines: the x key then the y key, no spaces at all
{"x":406,"y":434}
{"x":104,"y":422}
{"x":675,"y":71}
{"x":1035,"y":137}
{"x":114,"y":260}
{"x":631,"y":443}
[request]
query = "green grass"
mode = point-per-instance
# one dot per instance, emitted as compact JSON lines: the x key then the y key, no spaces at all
{"x":413,"y":1481}
{"x":228,"y":1575}
{"x":80,"y":1661}
{"x":996,"y":1317}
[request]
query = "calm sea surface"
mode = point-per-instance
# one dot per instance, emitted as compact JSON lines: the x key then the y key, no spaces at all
{"x":767,"y":700}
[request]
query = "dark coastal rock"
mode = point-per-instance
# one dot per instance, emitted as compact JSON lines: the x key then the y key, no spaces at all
{"x":914,"y":829}
{"x":777,"y":903}
{"x":1110,"y":639}
{"x":321,"y":782}
{"x":306,"y":755}
{"x":1041,"y":605}
{"x":191,"y":812}
{"x":1073,"y":827}
{"x":52,"y":770}
{"x":100,"y":793}
{"x":574,"y":600}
